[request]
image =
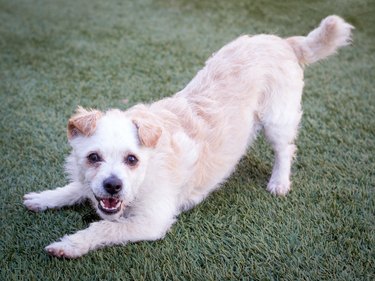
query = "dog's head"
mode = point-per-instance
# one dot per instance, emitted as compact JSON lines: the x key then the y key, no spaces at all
{"x":110,"y":155}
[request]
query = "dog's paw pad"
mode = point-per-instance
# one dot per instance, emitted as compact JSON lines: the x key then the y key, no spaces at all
{"x":62,"y":250}
{"x":55,"y":252}
{"x":34,"y":202}
{"x":278,"y":188}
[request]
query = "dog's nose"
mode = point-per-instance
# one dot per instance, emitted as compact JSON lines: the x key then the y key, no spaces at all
{"x":112,"y":185}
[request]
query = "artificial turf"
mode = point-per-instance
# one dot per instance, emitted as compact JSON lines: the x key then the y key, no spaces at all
{"x":55,"y":55}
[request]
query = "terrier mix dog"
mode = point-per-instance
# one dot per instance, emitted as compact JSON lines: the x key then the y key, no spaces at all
{"x":140,"y":168}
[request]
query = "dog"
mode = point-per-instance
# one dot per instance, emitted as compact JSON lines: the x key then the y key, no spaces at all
{"x":142,"y":167}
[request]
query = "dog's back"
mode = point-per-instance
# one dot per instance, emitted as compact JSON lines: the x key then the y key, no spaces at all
{"x":256,"y":82}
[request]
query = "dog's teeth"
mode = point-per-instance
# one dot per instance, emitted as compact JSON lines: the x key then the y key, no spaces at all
{"x":102,"y":204}
{"x":110,"y":209}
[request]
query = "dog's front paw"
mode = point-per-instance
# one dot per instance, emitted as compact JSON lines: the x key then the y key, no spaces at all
{"x":35,"y":202}
{"x":64,"y":249}
{"x":278,"y":187}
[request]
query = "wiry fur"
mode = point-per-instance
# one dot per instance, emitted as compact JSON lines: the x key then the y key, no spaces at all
{"x":189,"y":143}
{"x":323,"y":41}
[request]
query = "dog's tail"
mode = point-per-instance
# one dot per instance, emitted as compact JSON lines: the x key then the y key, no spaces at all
{"x":332,"y":33}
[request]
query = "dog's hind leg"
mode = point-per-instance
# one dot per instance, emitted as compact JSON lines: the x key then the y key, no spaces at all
{"x":63,"y":196}
{"x":282,"y":135}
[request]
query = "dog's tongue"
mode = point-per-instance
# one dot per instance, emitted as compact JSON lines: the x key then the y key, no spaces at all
{"x":110,"y":202}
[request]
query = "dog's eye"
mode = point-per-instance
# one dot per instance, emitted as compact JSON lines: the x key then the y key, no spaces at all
{"x":131,"y":160}
{"x":94,"y":157}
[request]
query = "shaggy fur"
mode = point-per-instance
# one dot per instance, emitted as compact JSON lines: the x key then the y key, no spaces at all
{"x":141,"y":167}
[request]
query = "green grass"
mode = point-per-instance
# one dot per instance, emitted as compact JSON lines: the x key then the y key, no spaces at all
{"x":55,"y":55}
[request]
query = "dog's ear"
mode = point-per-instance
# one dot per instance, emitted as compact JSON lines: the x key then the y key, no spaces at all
{"x":148,"y":132}
{"x":83,"y":122}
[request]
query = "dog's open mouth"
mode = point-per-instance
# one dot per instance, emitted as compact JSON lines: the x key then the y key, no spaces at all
{"x":109,"y":205}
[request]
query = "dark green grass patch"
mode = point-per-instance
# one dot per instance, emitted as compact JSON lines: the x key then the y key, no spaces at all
{"x":55,"y":55}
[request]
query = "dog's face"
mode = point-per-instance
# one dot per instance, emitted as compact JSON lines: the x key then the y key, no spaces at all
{"x":111,"y":153}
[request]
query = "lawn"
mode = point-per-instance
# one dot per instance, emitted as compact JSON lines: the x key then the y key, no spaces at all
{"x":56,"y":55}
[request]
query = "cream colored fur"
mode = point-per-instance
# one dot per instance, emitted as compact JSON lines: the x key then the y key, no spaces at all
{"x":188,"y":144}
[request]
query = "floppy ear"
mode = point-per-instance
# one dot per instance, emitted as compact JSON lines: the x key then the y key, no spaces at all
{"x":83,"y":122}
{"x":148,"y":132}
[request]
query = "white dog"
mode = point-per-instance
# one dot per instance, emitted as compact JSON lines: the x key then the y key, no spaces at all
{"x":140,"y":168}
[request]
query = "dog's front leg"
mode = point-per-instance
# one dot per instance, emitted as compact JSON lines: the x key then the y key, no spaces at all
{"x":56,"y":198}
{"x":103,"y":233}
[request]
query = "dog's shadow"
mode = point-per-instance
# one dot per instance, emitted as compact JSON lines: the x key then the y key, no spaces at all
{"x":253,"y":169}
{"x":89,"y":215}
{"x":86,"y":211}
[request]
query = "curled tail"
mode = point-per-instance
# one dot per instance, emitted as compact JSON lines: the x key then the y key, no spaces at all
{"x":332,"y":33}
